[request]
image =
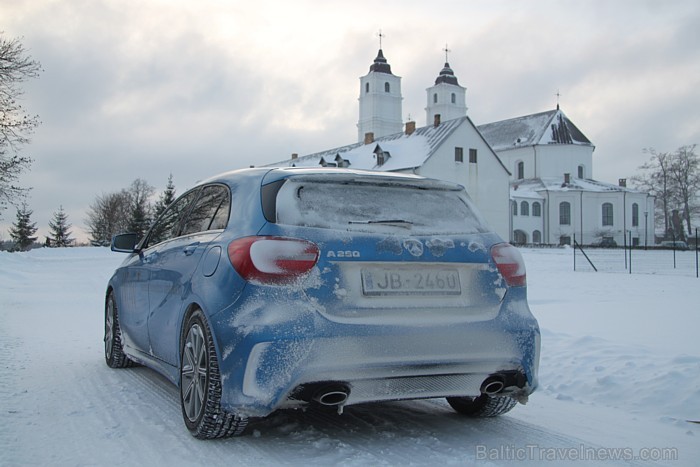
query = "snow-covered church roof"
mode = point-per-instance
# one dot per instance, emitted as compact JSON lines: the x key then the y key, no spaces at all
{"x":551,"y":127}
{"x":388,"y":153}
{"x":533,"y":187}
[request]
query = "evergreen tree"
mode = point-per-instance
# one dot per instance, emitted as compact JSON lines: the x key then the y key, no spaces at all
{"x":60,"y":233}
{"x":166,"y":198}
{"x":23,"y":229}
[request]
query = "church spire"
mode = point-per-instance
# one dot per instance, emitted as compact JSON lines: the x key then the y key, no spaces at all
{"x":446,"y":97}
{"x":380,"y":99}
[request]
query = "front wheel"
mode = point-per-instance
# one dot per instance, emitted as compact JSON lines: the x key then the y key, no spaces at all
{"x":482,"y":406}
{"x":114,"y":345}
{"x":200,"y":384}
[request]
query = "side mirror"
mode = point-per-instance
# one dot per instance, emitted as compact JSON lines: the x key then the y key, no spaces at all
{"x":125,"y":243}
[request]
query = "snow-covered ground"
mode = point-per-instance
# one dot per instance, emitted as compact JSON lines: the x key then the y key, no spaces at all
{"x":620,"y":378}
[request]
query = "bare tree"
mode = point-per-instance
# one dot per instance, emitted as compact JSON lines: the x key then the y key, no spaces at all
{"x":674,"y":179}
{"x":656,"y":179}
{"x":107,"y":216}
{"x":140,"y":218}
{"x":685,"y":176}
{"x":15,"y":124}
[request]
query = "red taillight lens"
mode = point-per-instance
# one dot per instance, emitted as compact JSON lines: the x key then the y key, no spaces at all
{"x":272,"y":260}
{"x":510,"y":264}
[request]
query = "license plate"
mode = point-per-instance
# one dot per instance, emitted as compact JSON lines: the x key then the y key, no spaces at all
{"x":423,"y":281}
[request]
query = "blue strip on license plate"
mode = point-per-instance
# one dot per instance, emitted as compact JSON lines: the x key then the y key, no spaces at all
{"x":423,"y":281}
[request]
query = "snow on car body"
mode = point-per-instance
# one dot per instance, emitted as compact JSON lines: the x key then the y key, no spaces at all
{"x":278,"y":288}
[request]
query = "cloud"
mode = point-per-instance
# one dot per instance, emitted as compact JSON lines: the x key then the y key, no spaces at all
{"x":148,"y":88}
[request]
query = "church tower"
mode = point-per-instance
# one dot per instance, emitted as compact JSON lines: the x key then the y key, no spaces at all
{"x":380,"y":100}
{"x":446,"y":98}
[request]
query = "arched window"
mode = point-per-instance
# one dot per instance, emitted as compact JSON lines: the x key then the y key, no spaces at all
{"x":607,"y":214}
{"x":635,"y":215}
{"x":521,"y":170}
{"x":435,"y":98}
{"x":536,"y":209}
{"x":387,"y":87}
{"x":454,"y":98}
{"x":581,"y":171}
{"x":515,"y":208}
{"x":564,"y":213}
{"x":536,"y":236}
{"x":524,"y":208}
{"x":519,"y":237}
{"x":366,"y":87}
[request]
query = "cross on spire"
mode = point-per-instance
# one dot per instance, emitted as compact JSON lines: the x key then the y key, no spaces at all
{"x":558,"y":95}
{"x":380,"y":35}
{"x":446,"y":50}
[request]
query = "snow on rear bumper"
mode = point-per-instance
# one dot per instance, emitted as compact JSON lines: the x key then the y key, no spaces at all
{"x":378,"y":362}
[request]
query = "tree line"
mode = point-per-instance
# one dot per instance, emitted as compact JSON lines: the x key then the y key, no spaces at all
{"x":128,"y":210}
{"x":674,"y":179}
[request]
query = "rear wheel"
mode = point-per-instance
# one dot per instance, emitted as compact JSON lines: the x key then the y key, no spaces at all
{"x":200,"y":384}
{"x":482,"y":406}
{"x":114,"y":350}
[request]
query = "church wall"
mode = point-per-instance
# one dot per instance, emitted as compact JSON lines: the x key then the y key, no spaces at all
{"x":486,"y":181}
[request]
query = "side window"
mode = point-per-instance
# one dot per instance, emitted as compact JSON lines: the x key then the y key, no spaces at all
{"x":210,"y":211}
{"x":168,"y":226}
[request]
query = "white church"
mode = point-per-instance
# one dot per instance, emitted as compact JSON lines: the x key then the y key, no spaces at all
{"x":531,"y":177}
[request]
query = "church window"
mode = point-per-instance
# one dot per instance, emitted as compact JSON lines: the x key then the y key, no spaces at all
{"x":366,"y":87}
{"x":580,"y":171}
{"x":387,"y":87}
{"x":564,"y":213}
{"x":454,"y":98}
{"x":536,"y":209}
{"x":521,"y":170}
{"x":459,"y":154}
{"x":524,"y":208}
{"x":607,"y":214}
{"x":635,"y":215}
{"x":515,"y":208}
{"x":472,"y":155}
{"x":435,"y":98}
{"x":536,"y":236}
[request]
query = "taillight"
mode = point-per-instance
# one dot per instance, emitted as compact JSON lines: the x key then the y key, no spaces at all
{"x":510,"y":264}
{"x":272,"y":260}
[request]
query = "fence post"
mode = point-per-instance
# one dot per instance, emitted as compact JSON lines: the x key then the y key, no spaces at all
{"x":630,"y":251}
{"x":574,"y":252}
{"x":673,"y":236}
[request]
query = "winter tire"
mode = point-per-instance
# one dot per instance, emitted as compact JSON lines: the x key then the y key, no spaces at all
{"x":114,"y":350}
{"x":200,"y":384}
{"x":482,"y":406}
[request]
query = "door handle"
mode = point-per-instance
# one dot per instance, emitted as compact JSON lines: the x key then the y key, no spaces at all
{"x":189,"y":249}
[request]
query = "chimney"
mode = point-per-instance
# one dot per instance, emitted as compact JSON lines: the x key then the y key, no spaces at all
{"x":410,"y":127}
{"x":622,"y":182}
{"x":294,"y":155}
{"x":567,"y":178}
{"x":436,"y":120}
{"x":369,"y":137}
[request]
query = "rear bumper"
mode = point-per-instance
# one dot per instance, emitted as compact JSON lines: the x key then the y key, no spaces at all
{"x":271,"y":361}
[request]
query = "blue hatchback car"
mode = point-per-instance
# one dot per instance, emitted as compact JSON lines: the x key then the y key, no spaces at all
{"x":265,"y":289}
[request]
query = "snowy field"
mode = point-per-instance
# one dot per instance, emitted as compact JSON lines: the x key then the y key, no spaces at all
{"x":619,"y":383}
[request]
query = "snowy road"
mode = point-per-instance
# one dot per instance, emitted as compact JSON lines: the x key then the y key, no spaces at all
{"x":620,"y":375}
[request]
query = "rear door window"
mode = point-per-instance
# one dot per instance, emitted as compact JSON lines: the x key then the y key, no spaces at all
{"x":210,"y":211}
{"x":372,"y":207}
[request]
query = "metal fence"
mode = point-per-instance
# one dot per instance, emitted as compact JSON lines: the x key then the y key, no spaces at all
{"x":637,"y":260}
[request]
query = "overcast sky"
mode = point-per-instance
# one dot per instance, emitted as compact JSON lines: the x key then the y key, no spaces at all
{"x":144,"y":88}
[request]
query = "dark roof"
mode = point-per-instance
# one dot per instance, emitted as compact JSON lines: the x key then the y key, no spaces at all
{"x":447,"y":76}
{"x":380,"y":64}
{"x":551,"y":127}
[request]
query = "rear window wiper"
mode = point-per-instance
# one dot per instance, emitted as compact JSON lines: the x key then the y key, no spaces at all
{"x":396,"y":222}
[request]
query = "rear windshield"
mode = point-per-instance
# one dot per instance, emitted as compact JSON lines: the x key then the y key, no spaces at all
{"x":371,"y":207}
